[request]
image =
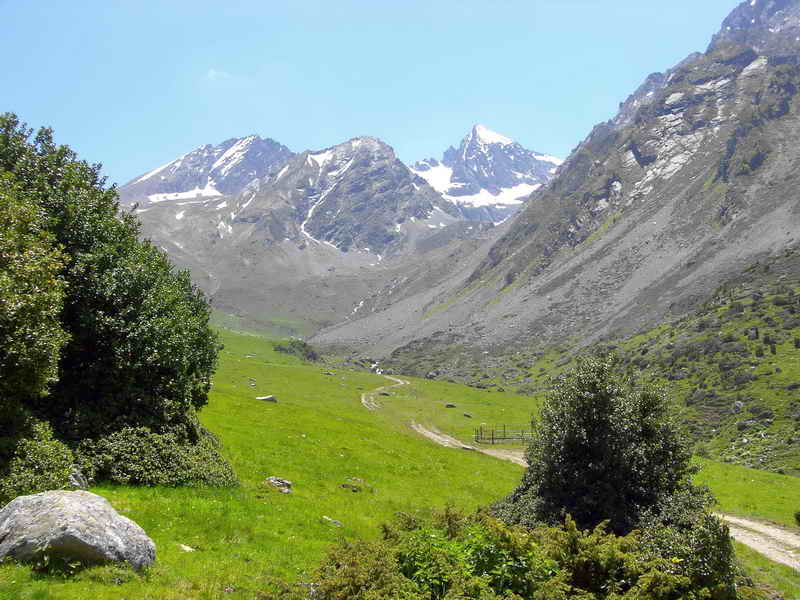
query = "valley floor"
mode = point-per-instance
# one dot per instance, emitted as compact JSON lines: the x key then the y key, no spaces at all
{"x":355,"y":466}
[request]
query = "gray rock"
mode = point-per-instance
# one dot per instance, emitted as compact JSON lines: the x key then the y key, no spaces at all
{"x":73,"y":526}
{"x":284,"y":485}
{"x":77,"y":480}
{"x":333,"y":522}
{"x":449,"y":405}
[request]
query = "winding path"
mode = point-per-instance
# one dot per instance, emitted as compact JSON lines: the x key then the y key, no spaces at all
{"x":777,"y":544}
{"x":368,"y":399}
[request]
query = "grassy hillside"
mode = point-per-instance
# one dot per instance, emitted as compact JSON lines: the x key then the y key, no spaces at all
{"x":319,"y":436}
{"x":732,"y":368}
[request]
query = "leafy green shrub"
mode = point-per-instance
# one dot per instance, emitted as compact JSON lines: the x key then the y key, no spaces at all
{"x":297,"y":348}
{"x":31,"y":298}
{"x":604,"y":449}
{"x":40,"y":463}
{"x":452,"y":556}
{"x":136,"y":455}
{"x":363,"y":571}
{"x":130,"y":334}
{"x":697,"y":543}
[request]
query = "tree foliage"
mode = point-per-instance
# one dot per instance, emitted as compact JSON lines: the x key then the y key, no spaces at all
{"x":137,"y":350}
{"x":604,"y":449}
{"x":31,"y":296}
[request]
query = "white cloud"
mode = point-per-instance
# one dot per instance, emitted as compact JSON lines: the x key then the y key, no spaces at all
{"x":217,"y":75}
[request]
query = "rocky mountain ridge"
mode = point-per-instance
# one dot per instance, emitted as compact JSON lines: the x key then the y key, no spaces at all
{"x":207,"y":172}
{"x":489,"y":176}
{"x":309,"y":243}
{"x":690,"y":183}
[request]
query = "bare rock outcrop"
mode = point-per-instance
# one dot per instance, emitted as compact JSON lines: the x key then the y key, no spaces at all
{"x":72,"y":526}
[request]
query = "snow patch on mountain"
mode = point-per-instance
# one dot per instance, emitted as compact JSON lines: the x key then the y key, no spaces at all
{"x":551,"y":159}
{"x":208,"y":191}
{"x":233,"y":155}
{"x":155,"y":171}
{"x":321,"y":158}
{"x":488,"y":136}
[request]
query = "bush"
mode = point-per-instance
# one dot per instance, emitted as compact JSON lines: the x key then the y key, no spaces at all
{"x":363,"y":571}
{"x":140,"y":350}
{"x":453,"y":557}
{"x":604,"y":449}
{"x":698,"y":544}
{"x":139,"y":456}
{"x":40,"y":463}
{"x":297,"y":348}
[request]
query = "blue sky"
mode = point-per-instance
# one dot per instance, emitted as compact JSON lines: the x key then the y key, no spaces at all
{"x":135,"y":84}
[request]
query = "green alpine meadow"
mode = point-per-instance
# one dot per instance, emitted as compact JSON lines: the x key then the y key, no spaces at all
{"x":316,"y":330}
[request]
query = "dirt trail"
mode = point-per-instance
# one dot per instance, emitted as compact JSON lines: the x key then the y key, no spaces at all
{"x":368,"y":399}
{"x":436,"y":436}
{"x":779,"y":545}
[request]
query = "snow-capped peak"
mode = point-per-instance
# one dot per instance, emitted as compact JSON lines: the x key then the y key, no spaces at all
{"x":551,"y":159}
{"x":233,"y":155}
{"x":487,"y":136}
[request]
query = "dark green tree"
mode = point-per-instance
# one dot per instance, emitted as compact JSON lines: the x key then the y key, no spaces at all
{"x":139,"y":350}
{"x":31,"y":299}
{"x":603,"y":449}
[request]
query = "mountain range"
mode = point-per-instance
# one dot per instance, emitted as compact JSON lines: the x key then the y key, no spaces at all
{"x":495,"y":246}
{"x":324,"y":231}
{"x":690,"y":184}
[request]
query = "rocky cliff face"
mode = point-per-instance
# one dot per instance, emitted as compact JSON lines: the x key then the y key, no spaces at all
{"x":489,"y":176}
{"x":694,"y":180}
{"x":207,"y":172}
{"x":769,"y":27}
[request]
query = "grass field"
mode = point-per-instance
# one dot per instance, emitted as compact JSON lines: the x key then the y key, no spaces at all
{"x":319,"y":436}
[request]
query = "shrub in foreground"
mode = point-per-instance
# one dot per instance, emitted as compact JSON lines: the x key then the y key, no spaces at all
{"x":99,"y":334}
{"x":452,"y":556}
{"x":39,"y":463}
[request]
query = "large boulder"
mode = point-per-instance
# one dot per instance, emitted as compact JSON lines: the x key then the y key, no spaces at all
{"x":73,"y":526}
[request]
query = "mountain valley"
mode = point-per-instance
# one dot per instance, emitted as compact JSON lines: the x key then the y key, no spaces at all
{"x":491,"y":259}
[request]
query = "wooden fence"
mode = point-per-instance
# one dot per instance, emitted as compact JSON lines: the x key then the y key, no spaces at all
{"x":497,"y":434}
